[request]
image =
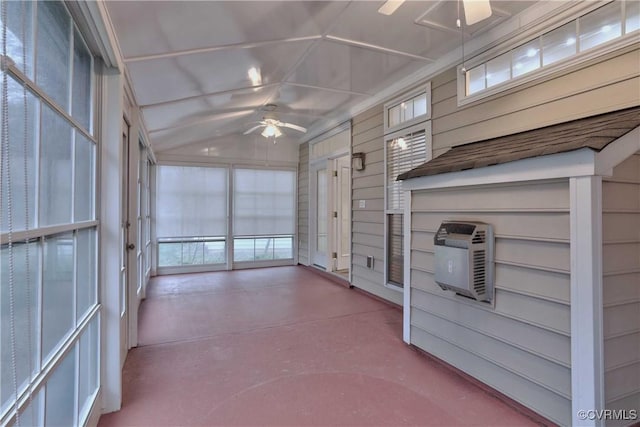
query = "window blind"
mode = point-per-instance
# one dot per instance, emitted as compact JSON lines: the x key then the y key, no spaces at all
{"x":403,"y":154}
{"x":191,"y":201}
{"x":263,"y":202}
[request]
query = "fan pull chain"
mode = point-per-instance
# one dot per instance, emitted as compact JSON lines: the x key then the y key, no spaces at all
{"x":9,"y":208}
{"x":459,"y":26}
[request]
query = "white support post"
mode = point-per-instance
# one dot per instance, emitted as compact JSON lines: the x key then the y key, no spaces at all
{"x":110,"y":220}
{"x":406,"y":304}
{"x":587,"y":367}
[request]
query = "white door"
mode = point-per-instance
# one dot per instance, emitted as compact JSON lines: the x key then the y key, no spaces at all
{"x":342,"y":220}
{"x":319,"y":215}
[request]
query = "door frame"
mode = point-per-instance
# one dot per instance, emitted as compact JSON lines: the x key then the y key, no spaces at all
{"x":313,"y":214}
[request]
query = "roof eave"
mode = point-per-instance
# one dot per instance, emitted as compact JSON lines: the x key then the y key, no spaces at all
{"x":580,"y":162}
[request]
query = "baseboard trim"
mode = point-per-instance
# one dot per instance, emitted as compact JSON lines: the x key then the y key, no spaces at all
{"x":329,"y":276}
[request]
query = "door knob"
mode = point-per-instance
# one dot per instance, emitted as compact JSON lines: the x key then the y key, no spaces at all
{"x":131,"y":246}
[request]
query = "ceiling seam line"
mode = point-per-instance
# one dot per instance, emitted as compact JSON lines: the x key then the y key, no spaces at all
{"x":204,"y":95}
{"x":375,"y":48}
{"x":328,"y":89}
{"x":306,"y":54}
{"x":217,"y":48}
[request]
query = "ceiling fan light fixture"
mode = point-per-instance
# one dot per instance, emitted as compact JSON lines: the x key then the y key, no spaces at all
{"x":390,"y":6}
{"x":271,"y":131}
{"x":476,"y":11}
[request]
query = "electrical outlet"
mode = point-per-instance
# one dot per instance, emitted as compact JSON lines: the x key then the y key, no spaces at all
{"x":362,"y":204}
{"x":370,"y":261}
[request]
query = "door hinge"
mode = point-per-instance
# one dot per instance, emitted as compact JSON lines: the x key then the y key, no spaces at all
{"x":334,"y":255}
{"x":335,"y":173}
{"x":335,"y":214}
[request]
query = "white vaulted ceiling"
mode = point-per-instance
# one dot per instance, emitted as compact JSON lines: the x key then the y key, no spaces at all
{"x":188,"y":61}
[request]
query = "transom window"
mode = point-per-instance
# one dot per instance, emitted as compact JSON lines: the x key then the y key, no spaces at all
{"x":596,"y":29}
{"x":408,"y":109}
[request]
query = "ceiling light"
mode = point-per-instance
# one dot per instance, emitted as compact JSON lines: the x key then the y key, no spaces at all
{"x":571,"y":41}
{"x":271,"y":130}
{"x":255,"y":77}
{"x":390,"y":6}
{"x":532,"y":52}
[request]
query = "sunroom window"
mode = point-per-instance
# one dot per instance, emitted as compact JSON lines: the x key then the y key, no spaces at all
{"x":597,"y":29}
{"x":49,"y":308}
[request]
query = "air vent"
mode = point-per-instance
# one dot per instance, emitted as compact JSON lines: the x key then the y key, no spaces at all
{"x":479,"y":237}
{"x":464,"y":259}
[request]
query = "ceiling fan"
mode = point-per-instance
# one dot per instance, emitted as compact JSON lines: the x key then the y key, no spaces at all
{"x":272,"y":127}
{"x":474,"y":10}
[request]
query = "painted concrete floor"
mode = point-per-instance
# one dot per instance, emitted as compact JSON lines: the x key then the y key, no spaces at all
{"x":285,"y":347}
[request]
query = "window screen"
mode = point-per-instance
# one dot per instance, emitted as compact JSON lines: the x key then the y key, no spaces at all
{"x":191,"y":201}
{"x":263,"y":202}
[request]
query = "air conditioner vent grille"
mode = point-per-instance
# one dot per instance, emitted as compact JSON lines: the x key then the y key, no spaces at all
{"x":479,"y":237}
{"x":479,"y":272}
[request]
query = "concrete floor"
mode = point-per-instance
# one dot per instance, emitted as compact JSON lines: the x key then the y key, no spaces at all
{"x":285,"y":347}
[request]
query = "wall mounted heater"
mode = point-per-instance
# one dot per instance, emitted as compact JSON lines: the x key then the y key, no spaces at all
{"x":464,"y":259}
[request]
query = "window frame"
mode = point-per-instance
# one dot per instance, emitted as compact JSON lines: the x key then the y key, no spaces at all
{"x":543,"y":72}
{"x":88,"y":321}
{"x":427,"y":128}
{"x":426,"y":89}
{"x":238,"y":265}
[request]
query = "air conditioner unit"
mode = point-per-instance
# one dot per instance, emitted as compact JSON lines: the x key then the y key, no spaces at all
{"x":464,"y":259}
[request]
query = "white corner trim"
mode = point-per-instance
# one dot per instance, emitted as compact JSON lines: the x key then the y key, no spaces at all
{"x":99,"y":24}
{"x":110,"y":169}
{"x":616,"y":152}
{"x":562,"y":165}
{"x":406,"y":304}
{"x":587,"y":366}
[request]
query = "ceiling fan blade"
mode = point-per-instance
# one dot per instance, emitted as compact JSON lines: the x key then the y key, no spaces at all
{"x":476,"y":10}
{"x":253,"y":129}
{"x":294,"y":127}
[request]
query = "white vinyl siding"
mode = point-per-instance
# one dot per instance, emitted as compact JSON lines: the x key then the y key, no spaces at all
{"x":522,"y":346}
{"x":621,"y":286}
{"x":580,"y":93}
{"x":367,"y":223}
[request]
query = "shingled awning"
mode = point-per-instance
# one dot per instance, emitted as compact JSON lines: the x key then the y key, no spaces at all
{"x":594,"y":132}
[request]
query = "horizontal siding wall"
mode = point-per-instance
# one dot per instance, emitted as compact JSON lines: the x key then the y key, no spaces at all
{"x":367,"y":224}
{"x":602,"y":87}
{"x":303,"y":205}
{"x":621,"y":286}
{"x":521,"y":347}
